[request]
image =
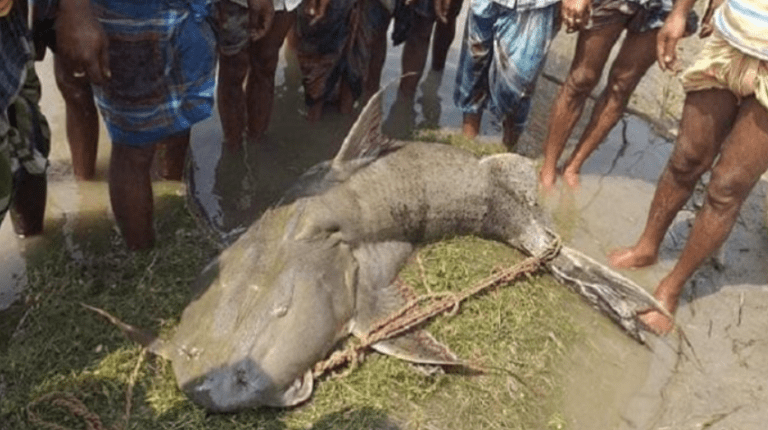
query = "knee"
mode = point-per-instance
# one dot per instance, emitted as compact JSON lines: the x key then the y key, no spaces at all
{"x":727,"y":190}
{"x":581,"y":82}
{"x":233,"y":68}
{"x":621,"y":84}
{"x":75,"y":92}
{"x":264,"y":61}
{"x":688,"y":163}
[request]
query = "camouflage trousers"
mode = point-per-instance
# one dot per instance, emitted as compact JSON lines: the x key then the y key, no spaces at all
{"x":24,"y":139}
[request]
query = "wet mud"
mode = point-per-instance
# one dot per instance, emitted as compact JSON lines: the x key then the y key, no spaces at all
{"x":610,"y":381}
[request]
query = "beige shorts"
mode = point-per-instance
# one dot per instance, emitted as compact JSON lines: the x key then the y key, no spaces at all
{"x":722,"y":66}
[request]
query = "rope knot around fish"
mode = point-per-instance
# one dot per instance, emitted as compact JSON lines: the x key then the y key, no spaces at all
{"x":415,"y":312}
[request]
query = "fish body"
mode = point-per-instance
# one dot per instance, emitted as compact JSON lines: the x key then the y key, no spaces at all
{"x":321,"y":264}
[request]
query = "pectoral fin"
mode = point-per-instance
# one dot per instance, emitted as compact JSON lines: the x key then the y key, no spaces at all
{"x":418,"y":346}
{"x":415,"y":345}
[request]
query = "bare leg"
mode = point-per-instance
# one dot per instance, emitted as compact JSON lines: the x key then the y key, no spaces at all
{"x":378,"y":57}
{"x":346,"y":97}
{"x":28,"y":208}
{"x":260,"y":89}
{"x":707,"y":119}
{"x":173,"y":153}
{"x":82,"y":119}
{"x":130,"y":191}
{"x":470,"y":126}
{"x":743,"y":159}
{"x":592,"y":50}
{"x":443,"y":37}
{"x":637,"y":54}
{"x":231,"y":98}
{"x":511,"y":135}
{"x":415,"y":54}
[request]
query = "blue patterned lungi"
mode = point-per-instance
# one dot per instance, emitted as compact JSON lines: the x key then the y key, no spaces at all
{"x":162,"y":56}
{"x":502,"y":54}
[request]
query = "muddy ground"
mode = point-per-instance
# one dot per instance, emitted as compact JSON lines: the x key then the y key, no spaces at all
{"x":717,"y":383}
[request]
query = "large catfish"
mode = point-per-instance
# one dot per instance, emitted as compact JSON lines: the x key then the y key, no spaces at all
{"x":321,"y":264}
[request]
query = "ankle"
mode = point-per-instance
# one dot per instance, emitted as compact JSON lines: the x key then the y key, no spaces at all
{"x":471,"y":125}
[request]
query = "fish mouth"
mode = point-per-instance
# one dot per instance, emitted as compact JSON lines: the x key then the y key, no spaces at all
{"x":297,"y":392}
{"x":231,"y":389}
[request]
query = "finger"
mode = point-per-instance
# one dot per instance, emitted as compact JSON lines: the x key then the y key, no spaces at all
{"x":670,"y":56}
{"x":258,"y":32}
{"x":660,"y":42}
{"x":582,"y":17}
{"x":666,"y":55}
{"x":104,"y":60}
{"x":93,"y":70}
{"x":311,"y":8}
{"x":262,"y":21}
{"x":441,"y":10}
{"x":322,"y":7}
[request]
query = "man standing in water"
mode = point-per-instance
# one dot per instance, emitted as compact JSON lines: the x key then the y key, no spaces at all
{"x":152,"y":69}
{"x":502,"y":53}
{"x":426,"y":15}
{"x":251,"y":33}
{"x":725,"y":117}
{"x":603,"y":25}
{"x":24,"y":134}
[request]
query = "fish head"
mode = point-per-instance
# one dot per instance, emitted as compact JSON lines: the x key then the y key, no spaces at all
{"x":245,"y":385}
{"x":253,"y":335}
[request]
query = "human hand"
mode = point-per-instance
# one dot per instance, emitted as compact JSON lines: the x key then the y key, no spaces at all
{"x":706,"y":22}
{"x":666,"y":42}
{"x":260,"y":15}
{"x":575,"y":14}
{"x":316,"y":9}
{"x":81,"y":41}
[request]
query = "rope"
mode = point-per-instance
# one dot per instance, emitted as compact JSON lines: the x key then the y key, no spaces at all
{"x":414,"y":312}
{"x":78,"y":409}
{"x":66,"y":401}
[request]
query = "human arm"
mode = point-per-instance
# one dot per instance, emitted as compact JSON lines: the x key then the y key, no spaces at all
{"x":81,"y":40}
{"x":706,"y":22}
{"x":672,"y":31}
{"x":260,"y":14}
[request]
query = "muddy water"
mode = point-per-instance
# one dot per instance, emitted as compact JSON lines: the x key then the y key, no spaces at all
{"x":610,"y":382}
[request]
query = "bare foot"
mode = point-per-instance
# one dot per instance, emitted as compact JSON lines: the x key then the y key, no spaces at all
{"x":571,"y":178}
{"x":656,"y":322}
{"x":631,"y":258}
{"x":547,"y":179}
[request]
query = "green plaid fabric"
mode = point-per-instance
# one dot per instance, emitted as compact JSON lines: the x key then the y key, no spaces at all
{"x":24,"y":138}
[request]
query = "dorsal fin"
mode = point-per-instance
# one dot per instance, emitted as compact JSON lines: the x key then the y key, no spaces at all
{"x":365,"y":139}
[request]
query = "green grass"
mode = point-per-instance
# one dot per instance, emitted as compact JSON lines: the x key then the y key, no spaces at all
{"x":517,"y":332}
